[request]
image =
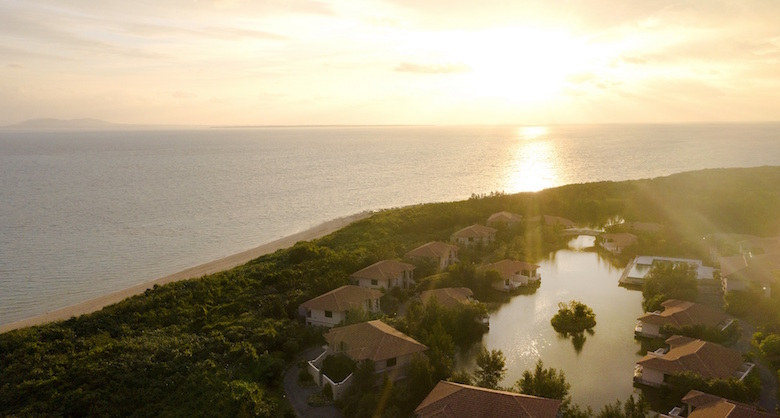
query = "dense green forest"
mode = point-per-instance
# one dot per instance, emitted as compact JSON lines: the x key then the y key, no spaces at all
{"x":218,"y":345}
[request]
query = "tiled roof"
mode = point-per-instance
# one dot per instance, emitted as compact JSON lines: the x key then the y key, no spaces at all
{"x":508,"y":268}
{"x":761,"y":245}
{"x":504,"y":217}
{"x":709,"y":360}
{"x":475,"y":231}
{"x":711,"y":406}
{"x":342,"y":299}
{"x":553,"y":220}
{"x":434,"y":249}
{"x":383,"y":270}
{"x":680,"y":313}
{"x":447,"y":296}
{"x":455,"y":400}
{"x":373,"y":340}
{"x":758,"y":268}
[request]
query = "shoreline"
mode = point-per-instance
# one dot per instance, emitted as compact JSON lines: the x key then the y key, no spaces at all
{"x":214,"y":266}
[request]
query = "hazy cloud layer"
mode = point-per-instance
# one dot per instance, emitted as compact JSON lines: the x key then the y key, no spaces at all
{"x":408,"y":67}
{"x":314,"y":62}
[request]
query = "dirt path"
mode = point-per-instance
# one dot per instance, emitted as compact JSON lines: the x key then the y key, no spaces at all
{"x":768,"y":399}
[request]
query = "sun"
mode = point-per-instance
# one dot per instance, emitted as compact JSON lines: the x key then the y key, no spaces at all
{"x":522,"y":65}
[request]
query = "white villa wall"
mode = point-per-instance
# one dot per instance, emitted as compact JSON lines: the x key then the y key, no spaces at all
{"x":652,"y":377}
{"x":467,"y":241}
{"x":318,"y":318}
{"x":314,"y":369}
{"x":380,"y":284}
{"x":650,"y":330}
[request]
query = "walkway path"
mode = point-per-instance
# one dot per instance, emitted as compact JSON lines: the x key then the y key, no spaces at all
{"x":298,"y":395}
{"x":768,"y":399}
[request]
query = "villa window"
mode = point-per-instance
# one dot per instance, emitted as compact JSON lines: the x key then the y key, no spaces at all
{"x":328,"y":314}
{"x":374,"y":282}
{"x":390,"y":362}
{"x":308,"y":314}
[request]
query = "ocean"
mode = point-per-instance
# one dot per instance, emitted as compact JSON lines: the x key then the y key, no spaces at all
{"x":87,"y":213}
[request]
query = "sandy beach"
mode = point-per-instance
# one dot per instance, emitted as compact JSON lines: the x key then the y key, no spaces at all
{"x":215,"y":266}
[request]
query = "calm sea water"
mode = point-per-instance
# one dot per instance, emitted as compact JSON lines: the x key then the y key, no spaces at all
{"x":86,"y":213}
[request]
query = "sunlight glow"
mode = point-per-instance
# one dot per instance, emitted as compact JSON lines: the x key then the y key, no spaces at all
{"x":532,"y":132}
{"x":521,"y":65}
{"x":533,"y":167}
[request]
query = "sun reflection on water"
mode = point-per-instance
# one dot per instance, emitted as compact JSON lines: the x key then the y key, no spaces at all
{"x":534,"y":164}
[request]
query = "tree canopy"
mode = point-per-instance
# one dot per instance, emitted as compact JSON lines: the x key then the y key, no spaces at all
{"x":573,"y":318}
{"x":669,"y":280}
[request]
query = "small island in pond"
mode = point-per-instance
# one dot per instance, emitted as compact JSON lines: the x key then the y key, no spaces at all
{"x":574,"y":318}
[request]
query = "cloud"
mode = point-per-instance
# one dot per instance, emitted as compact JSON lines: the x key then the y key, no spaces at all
{"x":408,"y":67}
{"x":633,"y":60}
{"x":182,"y":95}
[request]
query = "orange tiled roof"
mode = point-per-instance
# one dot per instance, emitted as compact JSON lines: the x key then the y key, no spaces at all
{"x":373,"y":340}
{"x":504,"y":217}
{"x":475,"y":231}
{"x":447,"y":296}
{"x":383,"y":270}
{"x":709,"y":360}
{"x":711,"y":406}
{"x":342,"y":299}
{"x":455,"y":400}
{"x":553,"y":220}
{"x":434,"y":249}
{"x":680,"y":313}
{"x":758,"y":268}
{"x":508,"y":268}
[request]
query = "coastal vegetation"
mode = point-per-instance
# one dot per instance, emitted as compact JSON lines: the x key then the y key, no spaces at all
{"x":219,"y":345}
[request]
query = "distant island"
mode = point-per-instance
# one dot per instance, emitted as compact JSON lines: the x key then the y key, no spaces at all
{"x":51,"y":123}
{"x":85,"y":124}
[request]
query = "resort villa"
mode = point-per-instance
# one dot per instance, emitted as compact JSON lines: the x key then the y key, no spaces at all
{"x":444,"y":255}
{"x":513,"y":274}
{"x":703,"y":405}
{"x":449,"y":297}
{"x":638,"y":268}
{"x":552,"y":221}
{"x":385,"y":274}
{"x":706,"y":359}
{"x":331,"y":308}
{"x":746,"y":271}
{"x":503,"y":219}
{"x":455,"y":400}
{"x":615,"y":243}
{"x":678,"y":314}
{"x":474,"y":235}
{"x":390,"y":351}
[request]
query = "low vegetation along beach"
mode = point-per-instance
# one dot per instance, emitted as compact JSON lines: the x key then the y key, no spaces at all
{"x":220,"y":344}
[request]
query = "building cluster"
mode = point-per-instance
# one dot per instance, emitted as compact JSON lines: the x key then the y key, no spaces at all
{"x":391,"y":351}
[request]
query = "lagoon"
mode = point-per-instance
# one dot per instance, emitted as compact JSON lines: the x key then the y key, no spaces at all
{"x":601,"y":369}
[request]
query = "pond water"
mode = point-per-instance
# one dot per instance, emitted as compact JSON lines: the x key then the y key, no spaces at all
{"x":600,"y":369}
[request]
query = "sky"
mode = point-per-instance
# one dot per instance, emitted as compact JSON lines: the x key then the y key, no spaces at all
{"x":293,"y":62}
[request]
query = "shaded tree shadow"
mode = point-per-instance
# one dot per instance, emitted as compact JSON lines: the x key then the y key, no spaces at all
{"x":577,"y":338}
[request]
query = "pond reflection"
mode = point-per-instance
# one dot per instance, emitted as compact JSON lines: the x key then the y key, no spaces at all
{"x":577,"y":338}
{"x":600,"y":371}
